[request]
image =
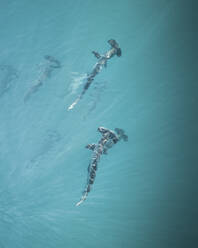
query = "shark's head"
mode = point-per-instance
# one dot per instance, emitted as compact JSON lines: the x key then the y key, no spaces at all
{"x":115,"y":45}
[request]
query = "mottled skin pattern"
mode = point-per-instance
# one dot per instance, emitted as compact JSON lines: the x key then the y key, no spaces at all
{"x":109,"y":138}
{"x":102,"y":62}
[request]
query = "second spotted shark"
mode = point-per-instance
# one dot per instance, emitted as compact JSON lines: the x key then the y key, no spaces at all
{"x":102,"y":62}
{"x":109,"y":138}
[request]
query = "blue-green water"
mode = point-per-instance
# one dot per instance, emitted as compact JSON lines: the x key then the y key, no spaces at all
{"x":144,"y":195}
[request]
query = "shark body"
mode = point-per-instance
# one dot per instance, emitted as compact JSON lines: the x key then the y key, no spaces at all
{"x":109,"y":138}
{"x":102,"y":62}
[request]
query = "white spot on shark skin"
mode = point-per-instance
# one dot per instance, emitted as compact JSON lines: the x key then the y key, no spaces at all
{"x":77,"y":81}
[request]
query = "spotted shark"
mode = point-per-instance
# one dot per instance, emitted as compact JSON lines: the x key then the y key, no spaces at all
{"x":102,"y":62}
{"x":109,"y":138}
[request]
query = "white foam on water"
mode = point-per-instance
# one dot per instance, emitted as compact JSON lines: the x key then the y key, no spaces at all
{"x":77,"y":81}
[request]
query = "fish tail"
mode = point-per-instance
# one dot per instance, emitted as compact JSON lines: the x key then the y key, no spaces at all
{"x":83,"y":198}
{"x":73,"y":104}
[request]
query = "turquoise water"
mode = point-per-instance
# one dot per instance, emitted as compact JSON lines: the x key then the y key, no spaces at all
{"x":143,"y":193}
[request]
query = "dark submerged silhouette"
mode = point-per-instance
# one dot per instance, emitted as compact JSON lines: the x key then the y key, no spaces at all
{"x":51,"y":64}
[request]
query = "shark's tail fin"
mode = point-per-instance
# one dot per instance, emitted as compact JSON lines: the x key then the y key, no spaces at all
{"x":114,"y":44}
{"x":121,"y":134}
{"x":83,"y":198}
{"x":74,"y":103}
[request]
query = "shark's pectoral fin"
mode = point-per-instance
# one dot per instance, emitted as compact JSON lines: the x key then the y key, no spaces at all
{"x":97,"y":55}
{"x":91,"y":146}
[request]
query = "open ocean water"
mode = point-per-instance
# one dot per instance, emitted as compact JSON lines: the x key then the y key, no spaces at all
{"x":145,"y":192}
